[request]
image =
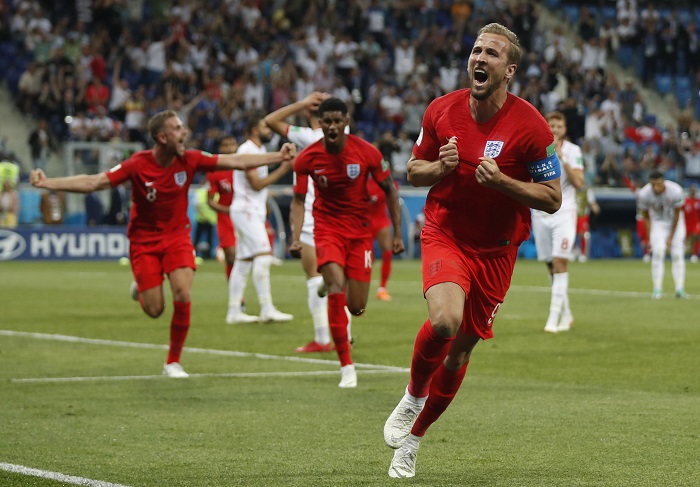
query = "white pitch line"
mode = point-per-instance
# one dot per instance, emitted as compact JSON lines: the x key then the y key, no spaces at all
{"x":45,"y":474}
{"x":233,"y":374}
{"x":228,"y":353}
{"x":594,"y":292}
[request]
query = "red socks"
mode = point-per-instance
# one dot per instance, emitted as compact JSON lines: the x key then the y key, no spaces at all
{"x":386,"y":267}
{"x":338,"y":321}
{"x":443,"y":389}
{"x":429,"y":351}
{"x":179,"y":326}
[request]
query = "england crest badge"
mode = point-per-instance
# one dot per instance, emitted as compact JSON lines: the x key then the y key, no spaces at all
{"x":180,"y":178}
{"x":353,"y":170}
{"x":493,"y":148}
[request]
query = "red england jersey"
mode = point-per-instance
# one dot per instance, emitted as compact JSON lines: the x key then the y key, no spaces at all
{"x":159,"y":194}
{"x":341,"y":184}
{"x":484,"y":220}
{"x":691,"y":209}
{"x":221,"y":182}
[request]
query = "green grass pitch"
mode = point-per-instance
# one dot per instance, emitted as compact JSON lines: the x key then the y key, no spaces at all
{"x":614,"y":402}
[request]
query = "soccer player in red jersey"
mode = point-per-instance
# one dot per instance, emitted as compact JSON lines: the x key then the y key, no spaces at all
{"x":339,"y":165}
{"x":381,"y":232}
{"x":221,"y":183}
{"x":159,"y":230}
{"x":691,"y":208}
{"x":488,"y":157}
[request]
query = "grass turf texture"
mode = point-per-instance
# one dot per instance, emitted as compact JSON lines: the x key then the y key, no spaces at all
{"x":613,"y":402}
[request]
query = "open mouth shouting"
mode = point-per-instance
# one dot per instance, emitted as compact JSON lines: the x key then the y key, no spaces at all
{"x":480,"y":77}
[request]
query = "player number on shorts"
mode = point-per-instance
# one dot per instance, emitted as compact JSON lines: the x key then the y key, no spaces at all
{"x":322,"y":181}
{"x":151,"y":194}
{"x":368,"y":259}
{"x":493,"y":314}
{"x":565,"y":244}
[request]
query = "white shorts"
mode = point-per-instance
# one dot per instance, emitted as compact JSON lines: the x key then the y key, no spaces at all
{"x":555,"y":234}
{"x":307,"y":230}
{"x":659,"y":234}
{"x":251,"y":235}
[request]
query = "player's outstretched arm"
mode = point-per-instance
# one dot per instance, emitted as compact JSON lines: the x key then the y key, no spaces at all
{"x":83,"y":183}
{"x":250,"y":161}
{"x":277,"y":119}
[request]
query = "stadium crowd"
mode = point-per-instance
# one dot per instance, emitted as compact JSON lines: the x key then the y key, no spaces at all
{"x":97,"y":70}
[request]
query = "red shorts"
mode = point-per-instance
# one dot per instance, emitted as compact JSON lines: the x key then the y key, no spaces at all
{"x":692,"y":228}
{"x":582,"y":224}
{"x":150,"y":261}
{"x":353,"y":254}
{"x":225,"y":231}
{"x":484,"y":280}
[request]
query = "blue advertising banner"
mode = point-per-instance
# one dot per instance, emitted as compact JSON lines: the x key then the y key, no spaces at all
{"x":63,"y":243}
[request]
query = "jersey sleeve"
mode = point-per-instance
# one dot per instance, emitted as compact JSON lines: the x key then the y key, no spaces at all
{"x":543,"y":163}
{"x":427,"y":146}
{"x":301,"y":136}
{"x":121,"y":172}
{"x":204,"y":161}
{"x":379,"y":168}
{"x":301,"y":172}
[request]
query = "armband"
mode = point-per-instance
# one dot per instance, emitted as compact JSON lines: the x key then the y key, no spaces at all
{"x":545,"y":169}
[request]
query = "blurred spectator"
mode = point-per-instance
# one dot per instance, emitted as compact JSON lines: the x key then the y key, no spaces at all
{"x":41,"y":143}
{"x":400,"y":156}
{"x":97,"y":94}
{"x":205,"y":221}
{"x":9,"y":204}
{"x":53,"y":207}
{"x":94,"y":211}
{"x":29,"y":87}
{"x":118,"y":213}
{"x":103,"y":127}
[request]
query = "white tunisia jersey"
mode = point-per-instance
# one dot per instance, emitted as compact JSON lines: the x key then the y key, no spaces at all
{"x":571,"y":154}
{"x":245,"y":198}
{"x":661,"y":207}
{"x":303,"y":137}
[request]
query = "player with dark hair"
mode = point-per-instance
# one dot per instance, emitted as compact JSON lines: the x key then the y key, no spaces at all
{"x":339,"y":165}
{"x":159,"y":231}
{"x":488,"y":157}
{"x":661,"y":204}
{"x":303,"y":137}
{"x":249,"y":214}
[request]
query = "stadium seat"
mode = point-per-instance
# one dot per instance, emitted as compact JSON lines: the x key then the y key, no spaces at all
{"x":553,"y":4}
{"x":625,"y":55}
{"x":664,"y":84}
{"x":682,"y":91}
{"x":571,"y":14}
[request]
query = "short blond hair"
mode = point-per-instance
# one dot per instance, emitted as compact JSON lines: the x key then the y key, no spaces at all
{"x":515,"y":52}
{"x":157,"y":122}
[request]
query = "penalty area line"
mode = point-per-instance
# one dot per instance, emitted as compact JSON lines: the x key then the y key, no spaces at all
{"x":46,"y":474}
{"x":195,"y":376}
